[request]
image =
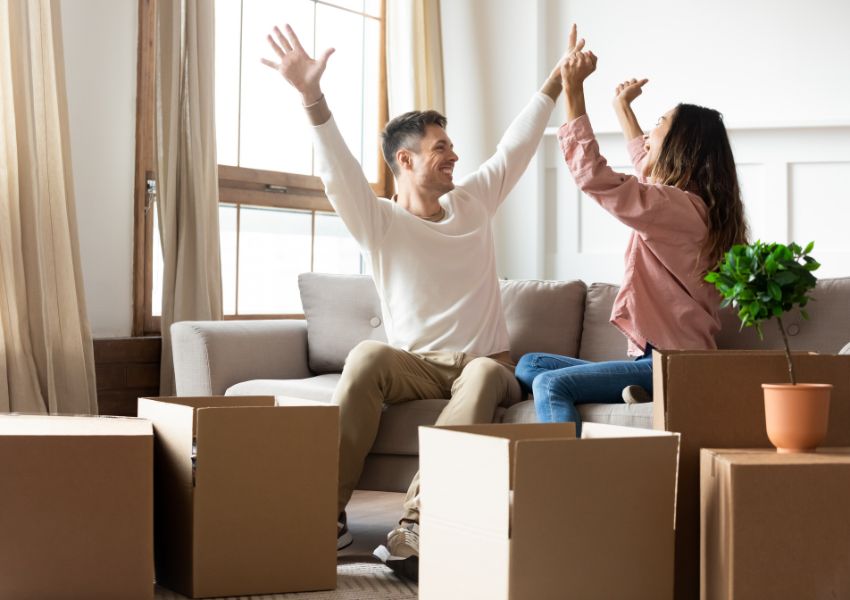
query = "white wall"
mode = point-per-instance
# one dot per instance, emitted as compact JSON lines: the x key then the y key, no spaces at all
{"x":491,"y":63}
{"x":777,"y":70}
{"x":100,"y":68}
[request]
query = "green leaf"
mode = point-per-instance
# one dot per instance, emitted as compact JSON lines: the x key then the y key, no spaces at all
{"x":774,"y":290}
{"x":805,"y":314}
{"x":809,"y":247}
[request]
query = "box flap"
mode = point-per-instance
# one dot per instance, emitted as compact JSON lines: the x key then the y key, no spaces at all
{"x":211,"y":401}
{"x":616,"y":495}
{"x":290,"y":401}
{"x":173,"y":490}
{"x":265,"y":499}
{"x":603,"y":430}
{"x":465,"y":479}
{"x":518,"y":431}
{"x":31,"y":425}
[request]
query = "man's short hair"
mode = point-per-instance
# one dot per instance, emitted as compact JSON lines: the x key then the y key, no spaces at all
{"x":405,"y":130}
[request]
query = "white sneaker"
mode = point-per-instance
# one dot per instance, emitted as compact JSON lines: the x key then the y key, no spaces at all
{"x":343,"y":536}
{"x":635,"y":394}
{"x":401,"y":554}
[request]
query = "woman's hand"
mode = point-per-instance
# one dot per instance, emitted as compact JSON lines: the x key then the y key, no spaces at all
{"x":626,"y":92}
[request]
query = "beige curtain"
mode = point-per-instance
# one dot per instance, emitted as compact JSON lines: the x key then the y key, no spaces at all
{"x":187,"y":173}
{"x":46,"y":355}
{"x":414,"y":56}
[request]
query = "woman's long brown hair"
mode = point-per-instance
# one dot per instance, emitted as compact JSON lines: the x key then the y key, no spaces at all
{"x":696,"y":156}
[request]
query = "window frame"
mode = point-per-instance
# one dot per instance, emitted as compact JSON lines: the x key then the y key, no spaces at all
{"x":236,"y":185}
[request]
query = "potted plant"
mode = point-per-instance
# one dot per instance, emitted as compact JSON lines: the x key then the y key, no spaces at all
{"x":764,"y":281}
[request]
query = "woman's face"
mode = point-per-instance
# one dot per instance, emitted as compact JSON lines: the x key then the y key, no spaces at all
{"x":653,"y":141}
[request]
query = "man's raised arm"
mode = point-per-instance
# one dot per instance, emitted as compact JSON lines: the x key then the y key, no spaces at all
{"x":366,"y":217}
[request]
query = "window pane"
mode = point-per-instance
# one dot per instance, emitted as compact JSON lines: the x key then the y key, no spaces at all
{"x":227,"y":225}
{"x":371,"y":100}
{"x":275,"y":132}
{"x":372,"y":7}
{"x":274,"y":247}
{"x":335,"y":249}
{"x":344,"y":31}
{"x":158,"y":266}
{"x":356,"y":5}
{"x":227,"y":24}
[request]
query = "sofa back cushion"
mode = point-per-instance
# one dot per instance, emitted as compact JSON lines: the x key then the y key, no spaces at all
{"x":343,"y":310}
{"x":599,"y":339}
{"x":826,"y":331}
{"x":543,"y":316}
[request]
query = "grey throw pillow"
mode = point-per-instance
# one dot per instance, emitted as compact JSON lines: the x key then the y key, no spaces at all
{"x":341,"y":311}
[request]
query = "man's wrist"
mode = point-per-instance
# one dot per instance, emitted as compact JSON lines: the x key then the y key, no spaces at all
{"x":318,"y":111}
{"x":311,"y":96}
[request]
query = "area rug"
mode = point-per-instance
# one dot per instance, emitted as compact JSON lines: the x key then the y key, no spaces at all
{"x":355,"y":581}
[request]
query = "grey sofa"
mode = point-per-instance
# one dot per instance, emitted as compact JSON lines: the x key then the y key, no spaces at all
{"x":303,"y":358}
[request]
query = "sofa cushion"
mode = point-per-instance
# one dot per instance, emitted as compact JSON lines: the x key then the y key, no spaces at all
{"x":543,"y":316}
{"x":826,"y":331}
{"x":599,"y":339}
{"x":341,"y":311}
{"x":628,"y":415}
{"x":319,"y":388}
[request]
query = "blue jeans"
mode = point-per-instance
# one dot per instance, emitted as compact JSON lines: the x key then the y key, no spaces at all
{"x":559,"y":383}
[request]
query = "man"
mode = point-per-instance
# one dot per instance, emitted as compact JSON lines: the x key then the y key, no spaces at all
{"x":434,"y":266}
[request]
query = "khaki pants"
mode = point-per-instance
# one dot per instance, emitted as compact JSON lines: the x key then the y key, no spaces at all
{"x":376,"y":374}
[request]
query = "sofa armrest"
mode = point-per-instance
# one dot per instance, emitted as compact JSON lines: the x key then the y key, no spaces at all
{"x":211,"y":356}
{"x":845,"y":349}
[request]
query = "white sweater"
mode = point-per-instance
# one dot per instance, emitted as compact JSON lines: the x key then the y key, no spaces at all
{"x":437,"y":281}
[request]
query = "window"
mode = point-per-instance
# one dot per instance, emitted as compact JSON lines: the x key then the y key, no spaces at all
{"x":275,"y":221}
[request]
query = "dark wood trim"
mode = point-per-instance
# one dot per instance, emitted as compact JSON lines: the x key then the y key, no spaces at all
{"x":126,"y":369}
{"x":295,"y":201}
{"x":386,"y":183}
{"x":144,"y":166}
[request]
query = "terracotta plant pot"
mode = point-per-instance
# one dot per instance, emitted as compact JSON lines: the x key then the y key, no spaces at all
{"x":796,"y":416}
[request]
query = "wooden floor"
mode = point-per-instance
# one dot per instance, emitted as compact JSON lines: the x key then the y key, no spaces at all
{"x":371,"y":515}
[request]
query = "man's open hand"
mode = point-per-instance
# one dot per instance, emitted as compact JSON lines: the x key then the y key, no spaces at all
{"x":296,"y":66}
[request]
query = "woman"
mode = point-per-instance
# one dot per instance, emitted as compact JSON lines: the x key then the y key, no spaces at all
{"x":684,"y":210}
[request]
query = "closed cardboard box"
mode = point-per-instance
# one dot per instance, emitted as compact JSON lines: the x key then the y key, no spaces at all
{"x":775,"y":525}
{"x":246,"y":495}
{"x":715,"y":400}
{"x":527,"y":511}
{"x":76,"y":508}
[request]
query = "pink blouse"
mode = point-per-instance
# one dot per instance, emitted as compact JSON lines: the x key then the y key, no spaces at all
{"x":663,"y":300}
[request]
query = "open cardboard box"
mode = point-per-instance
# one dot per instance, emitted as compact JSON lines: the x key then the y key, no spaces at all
{"x":76,"y":508}
{"x":775,"y":525}
{"x":522,"y":511}
{"x":715,"y":400}
{"x":255,"y":511}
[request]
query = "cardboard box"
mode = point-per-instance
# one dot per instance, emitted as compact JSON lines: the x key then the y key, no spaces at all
{"x":527,"y":511}
{"x":775,"y":525}
{"x":255,"y":511}
{"x":76,"y":508}
{"x":714,"y":399}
